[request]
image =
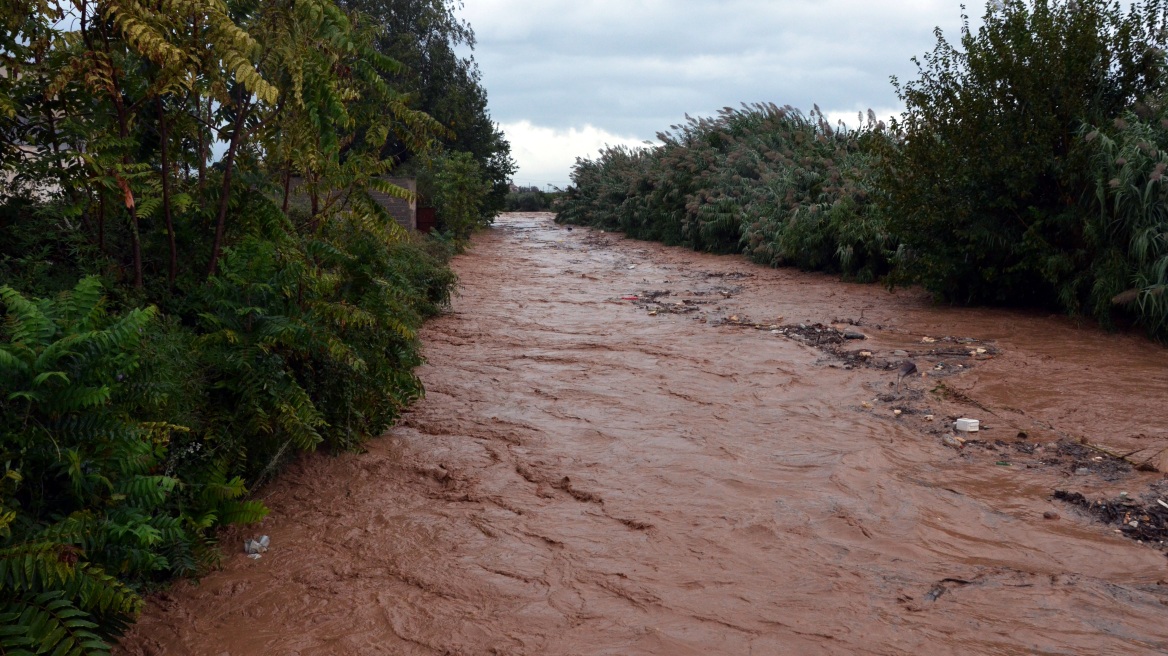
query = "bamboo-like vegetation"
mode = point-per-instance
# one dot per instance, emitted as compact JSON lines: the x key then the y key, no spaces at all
{"x":178,"y":319}
{"x":780,"y":186}
{"x":1027,"y":169}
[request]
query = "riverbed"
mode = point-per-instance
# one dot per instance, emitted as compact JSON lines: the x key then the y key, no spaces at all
{"x":627,"y":448}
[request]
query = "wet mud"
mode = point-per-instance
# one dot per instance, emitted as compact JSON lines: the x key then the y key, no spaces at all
{"x":633,"y":449}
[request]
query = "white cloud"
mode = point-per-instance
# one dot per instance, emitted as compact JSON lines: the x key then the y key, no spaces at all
{"x":566,"y":76}
{"x":546,"y":155}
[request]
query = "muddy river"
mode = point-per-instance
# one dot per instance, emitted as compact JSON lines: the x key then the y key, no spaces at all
{"x":633,"y":449}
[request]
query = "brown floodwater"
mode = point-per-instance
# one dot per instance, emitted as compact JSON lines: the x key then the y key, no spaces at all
{"x":595,"y":474}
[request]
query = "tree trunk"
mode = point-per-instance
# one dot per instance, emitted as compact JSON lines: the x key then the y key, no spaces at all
{"x":131,"y":205}
{"x":164,"y":135}
{"x":225,"y":192}
{"x":101,"y":219}
{"x":287,"y":185}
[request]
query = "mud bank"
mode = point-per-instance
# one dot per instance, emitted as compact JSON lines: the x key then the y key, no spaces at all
{"x":632,"y":449}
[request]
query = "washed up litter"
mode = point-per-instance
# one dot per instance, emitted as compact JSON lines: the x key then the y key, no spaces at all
{"x":953,"y":441}
{"x":965,"y":425}
{"x":256,"y":547}
{"x":630,"y":298}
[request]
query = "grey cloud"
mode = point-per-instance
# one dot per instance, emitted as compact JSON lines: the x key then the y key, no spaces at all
{"x":633,"y":68}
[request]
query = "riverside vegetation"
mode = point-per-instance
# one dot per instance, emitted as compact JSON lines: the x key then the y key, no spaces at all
{"x":1027,"y":169}
{"x":179,"y":320}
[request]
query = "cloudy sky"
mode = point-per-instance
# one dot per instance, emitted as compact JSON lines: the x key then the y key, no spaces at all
{"x":565,"y":77}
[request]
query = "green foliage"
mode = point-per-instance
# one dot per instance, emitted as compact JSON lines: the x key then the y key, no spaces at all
{"x":530,"y":199}
{"x":779,"y":186}
{"x":987,"y":186}
{"x":1128,"y":237}
{"x":82,"y":510}
{"x":429,"y":40}
{"x":454,"y":184}
{"x":217,"y":330}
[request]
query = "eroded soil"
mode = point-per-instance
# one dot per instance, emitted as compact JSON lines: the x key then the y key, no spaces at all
{"x":633,"y":449}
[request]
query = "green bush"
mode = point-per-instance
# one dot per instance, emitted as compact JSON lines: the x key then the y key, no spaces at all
{"x":1128,"y":237}
{"x":454,"y":184}
{"x":781,"y":187}
{"x":88,"y":512}
{"x":988,"y":184}
{"x":529,"y":199}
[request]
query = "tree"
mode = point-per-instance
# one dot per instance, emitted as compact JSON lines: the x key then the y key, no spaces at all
{"x":987,"y":185}
{"x":424,"y":35}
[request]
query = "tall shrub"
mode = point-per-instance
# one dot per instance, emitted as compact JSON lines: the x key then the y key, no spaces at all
{"x":986,"y":186}
{"x":783,"y":187}
{"x":1129,"y":232}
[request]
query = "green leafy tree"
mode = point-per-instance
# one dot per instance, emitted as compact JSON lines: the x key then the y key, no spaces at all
{"x":425,"y":36}
{"x":987,"y":185}
{"x":455,"y":185}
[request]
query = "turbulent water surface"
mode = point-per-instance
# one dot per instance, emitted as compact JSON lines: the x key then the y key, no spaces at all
{"x":697,"y":470}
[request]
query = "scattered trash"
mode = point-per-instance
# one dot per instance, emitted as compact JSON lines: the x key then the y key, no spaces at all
{"x":1082,"y":471}
{"x":1050,"y":514}
{"x":865,"y":354}
{"x":928,"y":417}
{"x":906,"y":369}
{"x":953,"y":441}
{"x":632,"y":266}
{"x":854,"y":334}
{"x":1161,"y":502}
{"x":867,"y":405}
{"x":966,"y":425}
{"x":928,"y":340}
{"x":980,"y":351}
{"x":256,"y":547}
{"x":630,"y":298}
{"x":898,"y":412}
{"x":1002,"y":463}
{"x":1135,"y":519}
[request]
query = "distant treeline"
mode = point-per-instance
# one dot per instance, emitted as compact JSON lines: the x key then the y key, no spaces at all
{"x":179,"y":321}
{"x":1027,"y":169}
{"x":531,"y":199}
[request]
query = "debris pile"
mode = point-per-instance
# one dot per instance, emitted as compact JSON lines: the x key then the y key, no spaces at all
{"x":1146,"y":521}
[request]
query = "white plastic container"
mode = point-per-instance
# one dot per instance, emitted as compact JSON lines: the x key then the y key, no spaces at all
{"x":967,"y":425}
